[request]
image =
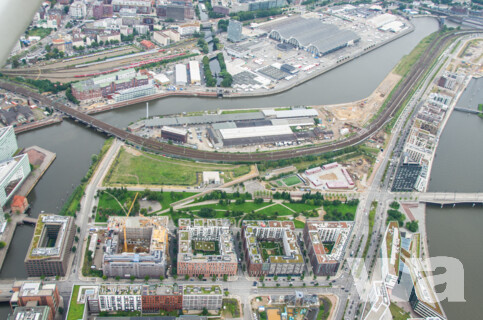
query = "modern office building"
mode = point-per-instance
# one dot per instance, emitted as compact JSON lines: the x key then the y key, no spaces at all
{"x":206,"y":248}
{"x":133,"y":93}
{"x":141,"y":6}
{"x":147,"y":247}
{"x":326,"y":242}
{"x":198,"y":297}
{"x":271,"y":248}
{"x":31,"y":313}
{"x":8,"y":143}
{"x":29,"y":294}
{"x":177,"y":10}
{"x":390,"y":251}
{"x":120,"y":297}
{"x":13,"y":173}
{"x":406,"y":175}
{"x":235,"y":31}
{"x":51,"y":245}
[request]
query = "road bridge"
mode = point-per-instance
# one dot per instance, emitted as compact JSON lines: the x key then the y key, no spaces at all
{"x":451,"y":198}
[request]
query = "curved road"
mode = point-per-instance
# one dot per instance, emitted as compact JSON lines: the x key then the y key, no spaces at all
{"x":396,"y":100}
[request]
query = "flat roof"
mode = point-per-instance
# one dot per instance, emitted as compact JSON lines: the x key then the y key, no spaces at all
{"x":249,"y":132}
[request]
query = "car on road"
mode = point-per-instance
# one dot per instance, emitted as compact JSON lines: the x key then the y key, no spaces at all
{"x":254,"y":283}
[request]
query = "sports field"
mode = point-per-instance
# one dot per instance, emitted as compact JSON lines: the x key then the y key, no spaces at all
{"x":291,"y":181}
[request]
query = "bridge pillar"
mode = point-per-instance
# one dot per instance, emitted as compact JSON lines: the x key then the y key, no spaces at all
{"x":454,"y":205}
{"x":473,"y":205}
{"x":442,"y":206}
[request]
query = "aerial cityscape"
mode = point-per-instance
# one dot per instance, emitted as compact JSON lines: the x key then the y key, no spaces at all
{"x":241,"y":159}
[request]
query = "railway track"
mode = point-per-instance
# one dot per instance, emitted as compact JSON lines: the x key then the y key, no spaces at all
{"x":399,"y":96}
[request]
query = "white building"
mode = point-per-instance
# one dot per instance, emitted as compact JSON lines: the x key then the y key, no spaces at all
{"x":195,"y":77}
{"x":120,"y":297}
{"x":211,"y":177}
{"x":78,"y":10}
{"x":8,"y":143}
{"x":189,"y":28}
{"x":199,"y":297}
{"x":136,"y":92}
{"x":181,"y":75}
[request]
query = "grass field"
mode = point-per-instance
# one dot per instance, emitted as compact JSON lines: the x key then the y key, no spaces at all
{"x":240,"y":111}
{"x":76,"y":311}
{"x":39,"y":32}
{"x":299,"y":224}
{"x":291,"y":181}
{"x":282,"y":211}
{"x":130,"y":169}
{"x":245,"y":207}
{"x":299,"y":207}
{"x":398,"y":313}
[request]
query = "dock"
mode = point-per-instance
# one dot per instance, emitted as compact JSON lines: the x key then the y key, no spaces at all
{"x":37,"y":124}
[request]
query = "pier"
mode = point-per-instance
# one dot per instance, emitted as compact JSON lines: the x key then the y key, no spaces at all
{"x":468,"y":110}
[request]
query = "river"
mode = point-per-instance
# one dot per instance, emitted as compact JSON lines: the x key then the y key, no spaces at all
{"x":75,"y":144}
{"x":456,"y":232}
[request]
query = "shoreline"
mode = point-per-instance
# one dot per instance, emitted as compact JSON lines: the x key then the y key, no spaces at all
{"x":230,"y":95}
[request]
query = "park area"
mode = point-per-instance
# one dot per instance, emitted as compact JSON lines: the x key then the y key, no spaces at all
{"x":270,"y":248}
{"x":134,"y":167}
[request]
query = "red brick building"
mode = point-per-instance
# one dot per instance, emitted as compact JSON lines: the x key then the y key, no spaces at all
{"x":19,"y":204}
{"x":36,"y":293}
{"x":162,"y":298}
{"x":147,"y":44}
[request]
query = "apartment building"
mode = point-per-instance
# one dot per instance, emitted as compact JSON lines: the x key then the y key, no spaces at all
{"x":198,"y":297}
{"x":36,"y":294}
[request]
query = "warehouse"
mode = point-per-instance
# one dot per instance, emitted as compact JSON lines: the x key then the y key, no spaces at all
{"x":313,"y":36}
{"x":195,"y":77}
{"x":181,"y":76}
{"x":293,"y":113}
{"x":256,"y":135}
{"x":174,"y":134}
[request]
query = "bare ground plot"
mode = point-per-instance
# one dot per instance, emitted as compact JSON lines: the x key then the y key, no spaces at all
{"x":359,"y":112}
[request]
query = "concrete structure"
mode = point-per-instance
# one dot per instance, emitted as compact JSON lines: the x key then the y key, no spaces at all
{"x":188,"y":29}
{"x":330,"y":176}
{"x":265,"y":258}
{"x":206,"y":247}
{"x":175,"y":10}
{"x":377,"y":306}
{"x":211,"y":177}
{"x":194,"y":69}
{"x":313,"y":36}
{"x":235,"y":31}
{"x":147,"y":242}
{"x":31,"y":313}
{"x":28,"y":294}
{"x":174,"y":134}
{"x":318,"y":236}
{"x":51,"y":245}
{"x":197,"y":297}
{"x":181,"y":75}
{"x":120,"y":297}
{"x":166,"y":37}
{"x":102,"y":10}
{"x":133,"y":93}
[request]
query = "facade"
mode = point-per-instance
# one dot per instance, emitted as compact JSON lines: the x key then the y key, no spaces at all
{"x":175,"y":10}
{"x":197,"y":297}
{"x":77,"y":10}
{"x":8,"y":143}
{"x":120,"y":297}
{"x":147,"y":44}
{"x":155,"y":299}
{"x":271,"y":248}
{"x":235,"y":31}
{"x":188,"y":29}
{"x":133,"y":93}
{"x":318,"y":237}
{"x":51,"y":245}
{"x":101,"y":11}
{"x":174,"y":134}
{"x":31,"y":313}
{"x":147,"y":247}
{"x":38,"y":294}
{"x":141,"y":6}
{"x":206,"y":247}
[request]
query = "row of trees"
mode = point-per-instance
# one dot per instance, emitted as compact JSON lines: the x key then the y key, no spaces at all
{"x":209,"y":79}
{"x":250,"y":15}
{"x":227,"y":78}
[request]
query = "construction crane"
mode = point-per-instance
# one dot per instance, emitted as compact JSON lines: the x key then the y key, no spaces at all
{"x":127,"y":215}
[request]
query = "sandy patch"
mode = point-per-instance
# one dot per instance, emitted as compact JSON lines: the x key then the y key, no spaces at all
{"x":329,"y":176}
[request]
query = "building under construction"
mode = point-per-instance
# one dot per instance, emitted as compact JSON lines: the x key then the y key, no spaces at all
{"x":136,"y":246}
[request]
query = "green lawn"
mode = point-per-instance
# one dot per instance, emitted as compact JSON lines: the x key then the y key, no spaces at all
{"x":152,"y":169}
{"x":348,"y":212}
{"x":176,"y":215}
{"x":299,"y":207}
{"x":40,"y":32}
{"x":291,"y":181}
{"x":245,"y":207}
{"x":398,"y":313}
{"x":170,"y":197}
{"x":240,"y":111}
{"x":282,"y":211}
{"x":408,"y":60}
{"x":299,"y":224}
{"x":76,"y":311}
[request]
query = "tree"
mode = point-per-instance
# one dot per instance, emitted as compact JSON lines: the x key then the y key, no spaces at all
{"x":213,"y":278}
{"x":15,"y":63}
{"x":394,"y":205}
{"x":73,"y":249}
{"x":61,"y":310}
{"x":104,"y":277}
{"x":118,"y":278}
{"x":225,"y":277}
{"x":204,"y":312}
{"x":275,"y":278}
{"x":2,"y":244}
{"x":161,"y":278}
{"x":146,"y":278}
{"x":132,"y":278}
{"x":186,"y":277}
{"x":200,"y":276}
{"x":76,"y":239}
{"x":66,"y":9}
{"x":412,"y":226}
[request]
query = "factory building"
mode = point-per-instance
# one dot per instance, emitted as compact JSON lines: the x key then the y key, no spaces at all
{"x":313,"y":36}
{"x":194,"y":68}
{"x":174,"y":134}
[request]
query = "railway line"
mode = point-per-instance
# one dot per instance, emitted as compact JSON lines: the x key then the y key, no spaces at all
{"x":399,"y":96}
